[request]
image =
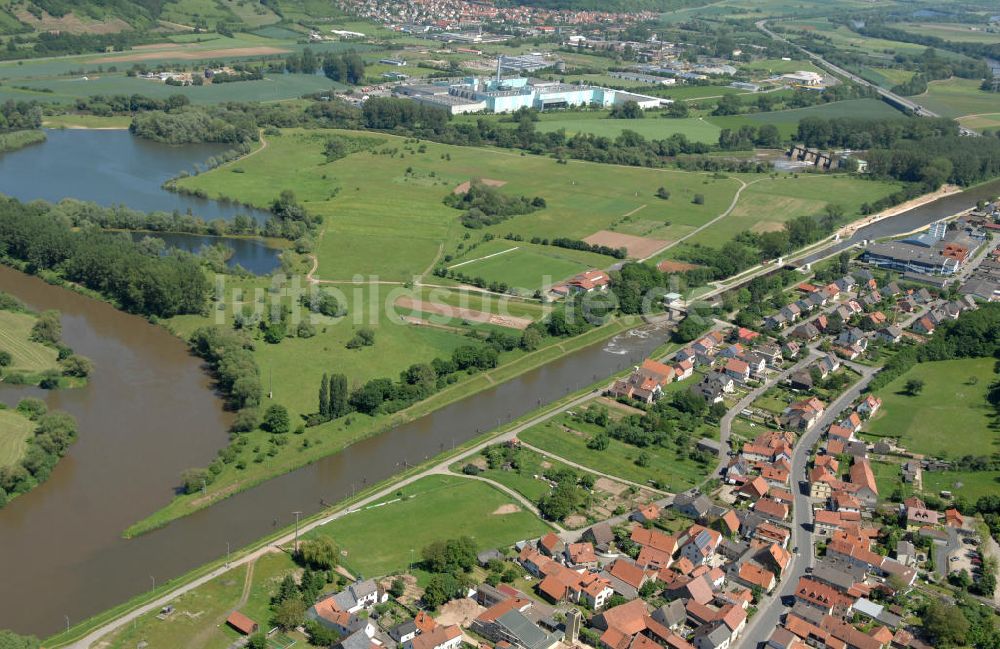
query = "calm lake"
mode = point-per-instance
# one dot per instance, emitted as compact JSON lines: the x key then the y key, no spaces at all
{"x":111,"y":167}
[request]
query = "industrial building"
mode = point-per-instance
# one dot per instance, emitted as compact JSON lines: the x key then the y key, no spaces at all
{"x":939,"y":251}
{"x":803,"y":78}
{"x":499,"y":95}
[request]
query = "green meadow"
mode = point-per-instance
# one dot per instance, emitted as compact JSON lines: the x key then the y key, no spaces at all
{"x":949,"y":418}
{"x":432,"y":509}
{"x":384,"y":212}
{"x":566,"y":438}
{"x":958,"y":97}
{"x":787,"y":121}
{"x":28,"y":356}
{"x":652,"y":127}
{"x":15,"y":431}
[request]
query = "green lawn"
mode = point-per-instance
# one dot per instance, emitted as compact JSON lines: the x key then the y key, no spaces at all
{"x":618,"y":459}
{"x":958,"y":97}
{"x":379,"y":539}
{"x":87,"y":121}
{"x":971,"y":484}
{"x":15,"y":431}
{"x":950,"y":417}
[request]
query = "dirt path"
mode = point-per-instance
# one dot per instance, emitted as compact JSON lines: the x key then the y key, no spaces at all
{"x":247,"y":585}
{"x":590,"y":470}
{"x":732,"y":206}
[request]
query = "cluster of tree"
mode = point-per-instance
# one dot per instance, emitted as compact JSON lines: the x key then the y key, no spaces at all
{"x":196,"y":124}
{"x":62,"y":43}
{"x":19,"y":115}
{"x":239,"y":73}
{"x":161,"y":286}
{"x":53,"y":434}
{"x":346,"y":67}
{"x":864,"y":133}
{"x":569,"y":494}
{"x":334,"y":398}
{"x":290,"y":219}
{"x":963,"y":623}
{"x":11,"y":640}
{"x":628,"y":110}
{"x":289,"y":604}
{"x":451,"y":563}
{"x":747,"y":137}
{"x":83,"y":214}
{"x":936,"y":160}
{"x":14,"y":140}
{"x":229,"y":356}
{"x":485,"y":205}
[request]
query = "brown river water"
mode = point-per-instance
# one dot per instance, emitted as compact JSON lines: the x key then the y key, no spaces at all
{"x":148,"y":413}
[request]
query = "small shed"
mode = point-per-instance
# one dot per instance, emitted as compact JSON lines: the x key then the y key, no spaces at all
{"x":242,"y":623}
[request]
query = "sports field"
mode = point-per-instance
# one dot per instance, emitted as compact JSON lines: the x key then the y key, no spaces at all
{"x":949,"y":418}
{"x":15,"y":431}
{"x":526,"y":265}
{"x":383,"y":538}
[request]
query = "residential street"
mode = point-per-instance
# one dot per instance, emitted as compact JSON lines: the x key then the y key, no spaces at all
{"x":771,"y":608}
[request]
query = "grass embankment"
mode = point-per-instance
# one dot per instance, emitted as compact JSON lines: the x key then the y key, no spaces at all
{"x":334,"y":436}
{"x":15,"y":431}
{"x":19,"y":139}
{"x":74,"y":120}
{"x":31,"y":361}
{"x":80,"y":630}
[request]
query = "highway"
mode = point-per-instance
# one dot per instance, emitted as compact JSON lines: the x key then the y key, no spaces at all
{"x":898,"y":100}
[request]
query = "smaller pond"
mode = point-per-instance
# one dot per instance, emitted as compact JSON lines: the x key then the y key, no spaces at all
{"x":111,"y":167}
{"x":253,"y":255}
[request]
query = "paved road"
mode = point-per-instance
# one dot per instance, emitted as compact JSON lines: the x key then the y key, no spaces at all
{"x":439,"y":468}
{"x":771,"y":609}
{"x":888,"y":94}
{"x":726,"y":423}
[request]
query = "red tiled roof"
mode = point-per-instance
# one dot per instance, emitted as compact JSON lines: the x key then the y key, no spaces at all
{"x":241,"y":623}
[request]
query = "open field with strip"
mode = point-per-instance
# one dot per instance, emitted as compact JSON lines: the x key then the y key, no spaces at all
{"x":433,"y":508}
{"x":15,"y":431}
{"x":959,"y":97}
{"x":15,"y":337}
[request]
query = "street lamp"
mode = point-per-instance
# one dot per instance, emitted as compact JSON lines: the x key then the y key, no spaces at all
{"x":297,"y":514}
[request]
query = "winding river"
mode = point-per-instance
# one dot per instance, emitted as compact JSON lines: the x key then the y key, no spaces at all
{"x":148,"y":413}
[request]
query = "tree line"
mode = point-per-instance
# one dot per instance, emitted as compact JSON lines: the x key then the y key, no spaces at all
{"x":162,"y":285}
{"x":20,"y":115}
{"x":53,"y":434}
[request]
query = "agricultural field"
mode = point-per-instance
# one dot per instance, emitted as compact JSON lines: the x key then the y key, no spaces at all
{"x":949,"y":418}
{"x":15,"y":431}
{"x":652,"y":127}
{"x":886,"y":77}
{"x":787,"y":121}
{"x":567,"y":438}
{"x":959,"y":97}
{"x":525,"y":265}
{"x":988,"y":122}
{"x":28,"y":357}
{"x":955,"y":32}
{"x":432,"y":509}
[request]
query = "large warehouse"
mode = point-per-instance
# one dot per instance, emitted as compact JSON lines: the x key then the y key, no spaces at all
{"x":498,"y":95}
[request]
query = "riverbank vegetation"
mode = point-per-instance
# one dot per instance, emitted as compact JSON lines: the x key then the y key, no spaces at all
{"x":15,"y":140}
{"x":151,"y":285}
{"x":32,"y":441}
{"x":32,"y":351}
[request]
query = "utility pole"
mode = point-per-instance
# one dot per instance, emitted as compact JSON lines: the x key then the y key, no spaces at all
{"x":154,"y":581}
{"x":270,"y":383}
{"x":67,"y":622}
{"x":227,"y":554}
{"x":297,"y":514}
